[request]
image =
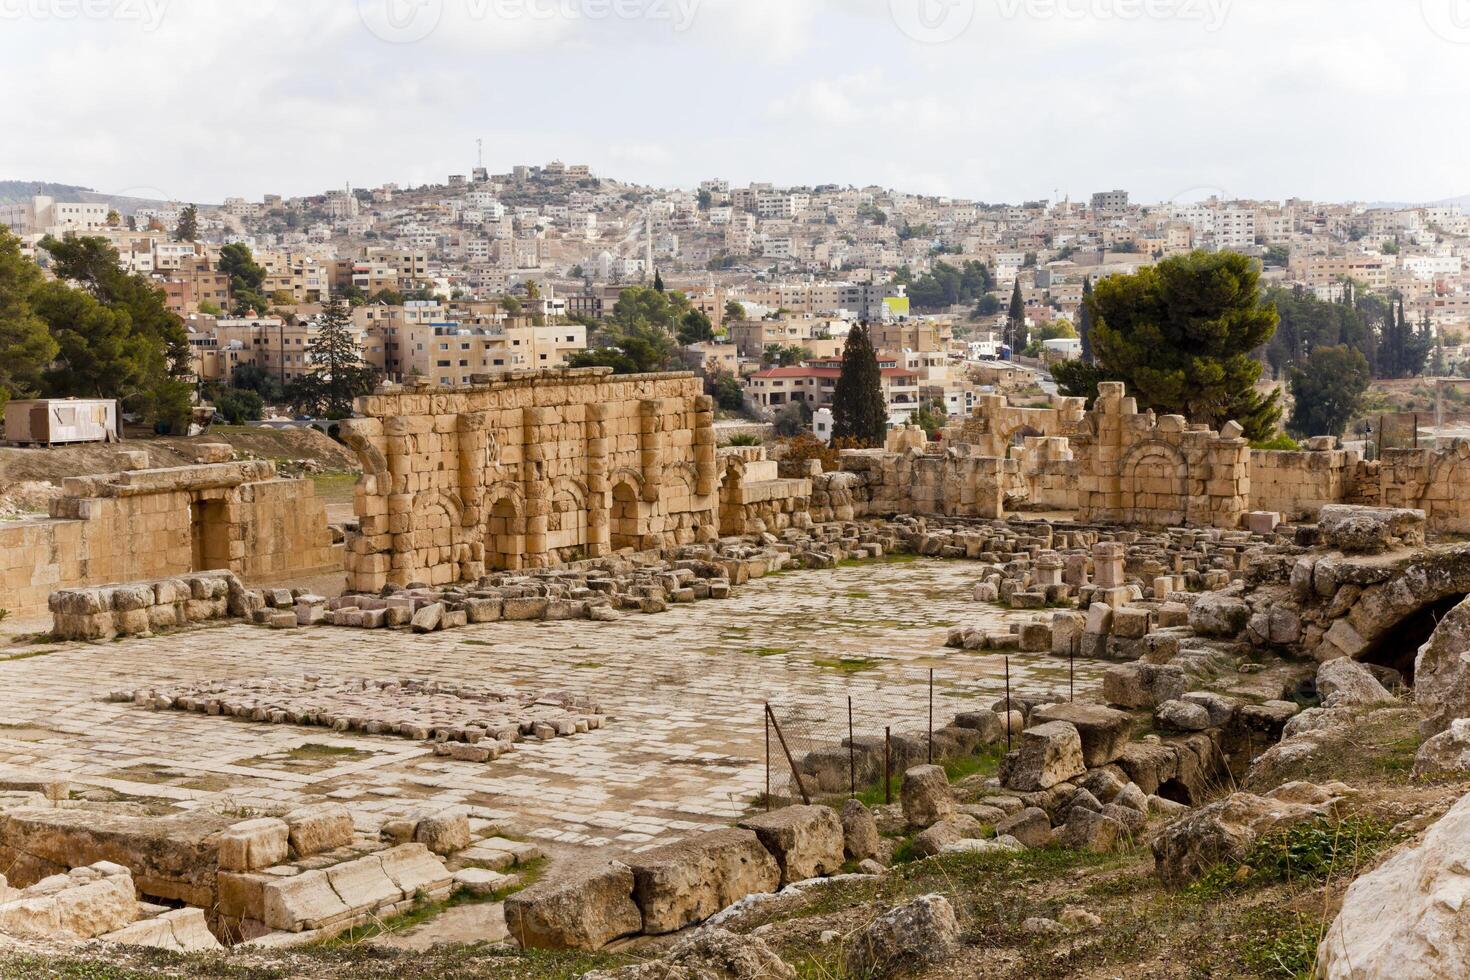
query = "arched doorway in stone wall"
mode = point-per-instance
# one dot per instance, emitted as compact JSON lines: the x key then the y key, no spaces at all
{"x":1155,"y":485}
{"x":626,"y":524}
{"x":505,"y":535}
{"x":566,"y":524}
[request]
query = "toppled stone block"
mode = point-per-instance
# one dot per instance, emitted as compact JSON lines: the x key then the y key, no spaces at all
{"x":444,"y":831}
{"x":805,"y":840}
{"x":926,"y":796}
{"x":1370,"y":530}
{"x":1048,"y":754}
{"x":319,"y":827}
{"x":680,"y":884}
{"x":177,"y":930}
{"x":254,"y":844}
{"x":586,"y":910}
{"x":1143,"y":685}
{"x":1104,"y":731}
{"x":918,"y":932}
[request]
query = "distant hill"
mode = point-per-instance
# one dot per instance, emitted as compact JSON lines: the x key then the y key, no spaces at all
{"x":19,"y":191}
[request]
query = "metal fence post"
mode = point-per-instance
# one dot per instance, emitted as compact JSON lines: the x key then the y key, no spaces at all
{"x":766,"y":724}
{"x":887,"y":764}
{"x":795,"y":773}
{"x":1008,"y":704}
{"x":931,"y":716}
{"x":851,"y":753}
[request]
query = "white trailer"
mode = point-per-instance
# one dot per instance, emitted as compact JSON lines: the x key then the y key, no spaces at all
{"x":59,"y":421}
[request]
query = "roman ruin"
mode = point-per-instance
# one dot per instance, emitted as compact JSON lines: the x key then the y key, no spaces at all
{"x":619,"y":687}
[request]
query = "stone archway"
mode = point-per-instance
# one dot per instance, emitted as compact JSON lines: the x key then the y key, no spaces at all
{"x":1155,"y":485}
{"x":626,"y":525}
{"x":505,"y":533}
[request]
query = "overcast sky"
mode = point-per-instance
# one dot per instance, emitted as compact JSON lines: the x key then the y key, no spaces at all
{"x":1000,"y":100}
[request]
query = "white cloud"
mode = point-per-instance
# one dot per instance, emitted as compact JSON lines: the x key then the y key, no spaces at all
{"x":1318,"y":98}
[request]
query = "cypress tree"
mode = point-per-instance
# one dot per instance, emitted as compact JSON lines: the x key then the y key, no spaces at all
{"x":1016,"y":321}
{"x":1084,"y":320}
{"x":658,"y":281}
{"x":859,"y":411}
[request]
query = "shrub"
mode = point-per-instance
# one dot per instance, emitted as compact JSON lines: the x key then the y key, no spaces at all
{"x":743,"y":439}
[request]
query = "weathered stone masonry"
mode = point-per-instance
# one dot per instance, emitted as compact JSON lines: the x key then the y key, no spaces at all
{"x":527,"y":472}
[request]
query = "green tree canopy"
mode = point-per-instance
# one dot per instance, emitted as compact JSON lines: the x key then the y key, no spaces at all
{"x":1327,"y":390}
{"x":247,"y":277}
{"x":140,"y":352}
{"x":859,"y":411}
{"x":337,"y":374}
{"x":187,"y":229}
{"x":26,"y":344}
{"x":1180,"y":335}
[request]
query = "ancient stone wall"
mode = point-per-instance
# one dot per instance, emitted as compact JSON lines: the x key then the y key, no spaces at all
{"x":528,"y":471}
{"x":1138,"y":469}
{"x":755,"y":498}
{"x":154,"y":524}
{"x":1048,"y":471}
{"x":1297,"y":485}
{"x":995,"y":427}
{"x":954,"y":482}
{"x":1436,"y":481}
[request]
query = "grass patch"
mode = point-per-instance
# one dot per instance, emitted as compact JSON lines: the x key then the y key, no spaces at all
{"x":334,"y":488}
{"x":314,"y":751}
{"x":848,"y":665}
{"x":1307,"y":854}
{"x":25,"y":656}
{"x":1280,"y":945}
{"x":771,"y":651}
{"x":859,"y":594}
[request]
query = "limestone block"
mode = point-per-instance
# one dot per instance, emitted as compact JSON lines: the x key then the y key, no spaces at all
{"x":585,"y":910}
{"x":684,"y":883}
{"x":254,"y":844}
{"x":926,"y":796}
{"x":1048,"y":754}
{"x":319,"y":827}
{"x":806,"y":841}
{"x":1104,"y":732}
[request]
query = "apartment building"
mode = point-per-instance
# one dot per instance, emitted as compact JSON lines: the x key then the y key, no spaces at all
{"x":816,"y":381}
{"x":453,"y":353}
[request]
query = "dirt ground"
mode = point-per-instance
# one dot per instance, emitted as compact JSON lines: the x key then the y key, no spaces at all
{"x":285,"y":447}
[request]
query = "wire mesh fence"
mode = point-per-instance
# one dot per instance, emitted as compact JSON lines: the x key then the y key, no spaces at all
{"x":860,"y":742}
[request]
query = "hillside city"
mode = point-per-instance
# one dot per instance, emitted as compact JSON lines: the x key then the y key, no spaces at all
{"x":633,"y":574}
{"x":756,"y":287}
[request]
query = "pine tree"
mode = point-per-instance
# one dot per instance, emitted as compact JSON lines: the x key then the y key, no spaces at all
{"x":188,"y":226}
{"x":1016,"y":321}
{"x":337,"y":374}
{"x":1084,"y":320}
{"x":1180,"y":335}
{"x":859,"y":411}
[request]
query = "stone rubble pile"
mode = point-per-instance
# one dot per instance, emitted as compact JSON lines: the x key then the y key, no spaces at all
{"x":141,"y":608}
{"x":98,"y":902}
{"x":467,"y":722}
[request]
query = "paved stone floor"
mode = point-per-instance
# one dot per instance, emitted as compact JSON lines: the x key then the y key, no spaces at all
{"x":683,"y":749}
